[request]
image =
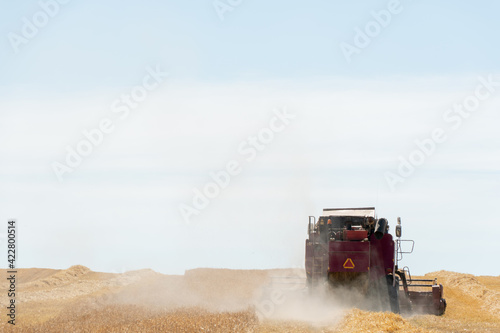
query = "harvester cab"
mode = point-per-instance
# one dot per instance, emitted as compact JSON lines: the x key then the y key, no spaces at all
{"x":352,"y":248}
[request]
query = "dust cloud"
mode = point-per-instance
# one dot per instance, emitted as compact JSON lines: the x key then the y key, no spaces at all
{"x":222,"y":300}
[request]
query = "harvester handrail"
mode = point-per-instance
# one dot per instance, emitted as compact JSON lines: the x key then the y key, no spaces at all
{"x":406,"y":240}
{"x":311,"y":224}
{"x":400,"y":252}
{"x":406,"y":270}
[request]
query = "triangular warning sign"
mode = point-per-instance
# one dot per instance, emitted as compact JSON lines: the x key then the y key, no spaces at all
{"x":349,"y":264}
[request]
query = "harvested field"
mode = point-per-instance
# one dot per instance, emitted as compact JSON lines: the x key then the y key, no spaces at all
{"x":221,"y":300}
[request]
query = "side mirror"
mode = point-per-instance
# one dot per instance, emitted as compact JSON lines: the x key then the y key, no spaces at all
{"x":399,"y":231}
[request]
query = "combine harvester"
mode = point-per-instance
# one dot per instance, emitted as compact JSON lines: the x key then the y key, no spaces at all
{"x":351,"y":248}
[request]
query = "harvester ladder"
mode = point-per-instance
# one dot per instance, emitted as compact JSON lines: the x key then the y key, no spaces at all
{"x":318,"y":269}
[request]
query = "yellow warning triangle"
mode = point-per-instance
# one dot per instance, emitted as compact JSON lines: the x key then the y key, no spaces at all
{"x":349,"y":264}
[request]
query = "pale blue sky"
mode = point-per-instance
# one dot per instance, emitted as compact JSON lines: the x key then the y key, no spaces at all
{"x":90,"y":44}
{"x":119,"y":209}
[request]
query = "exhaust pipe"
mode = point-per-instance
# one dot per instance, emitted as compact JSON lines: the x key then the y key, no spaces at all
{"x":380,"y":228}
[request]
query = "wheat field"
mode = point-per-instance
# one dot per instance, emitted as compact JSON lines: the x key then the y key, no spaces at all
{"x":222,"y":300}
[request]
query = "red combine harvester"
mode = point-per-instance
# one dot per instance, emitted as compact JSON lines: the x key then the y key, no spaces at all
{"x":351,"y":248}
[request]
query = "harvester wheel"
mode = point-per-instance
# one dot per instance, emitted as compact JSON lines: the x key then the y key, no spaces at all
{"x":393,"y":293}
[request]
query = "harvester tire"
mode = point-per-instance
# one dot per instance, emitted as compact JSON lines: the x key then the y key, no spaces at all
{"x":393,"y":293}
